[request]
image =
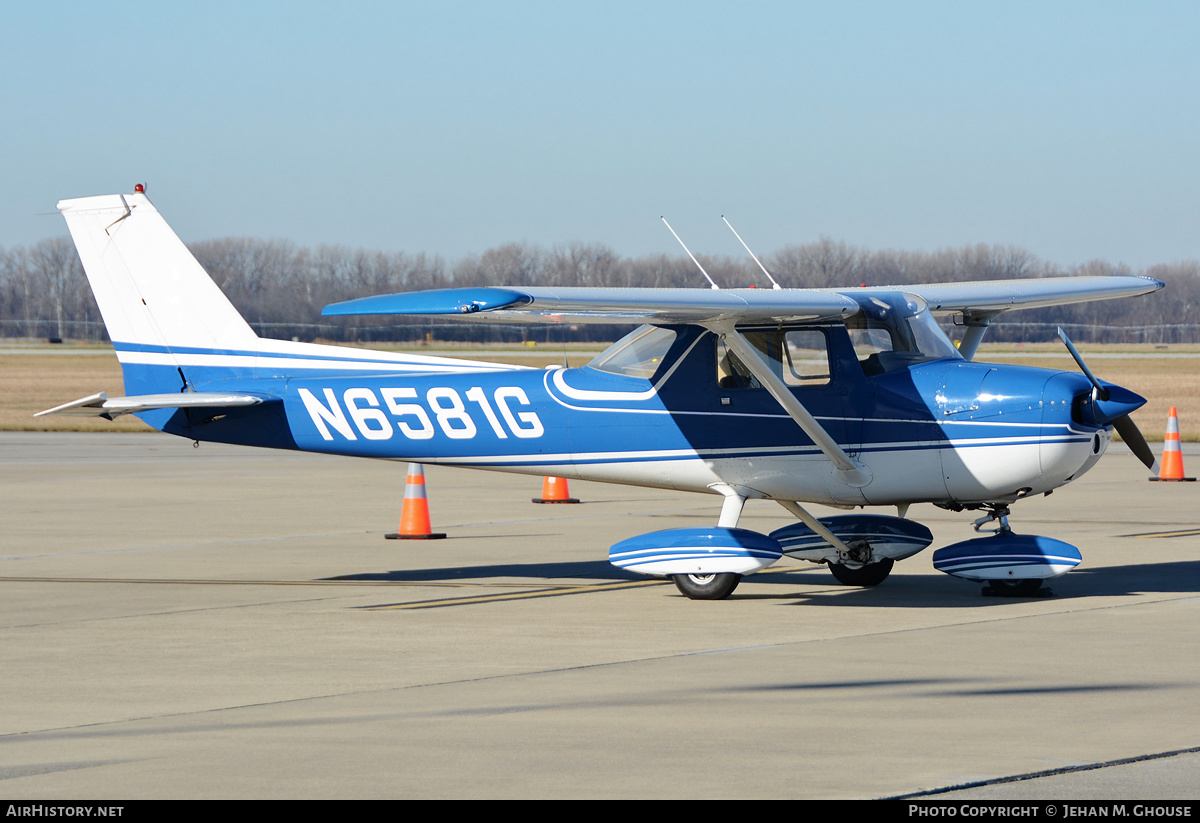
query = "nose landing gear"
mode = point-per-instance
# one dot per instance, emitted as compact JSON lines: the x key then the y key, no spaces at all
{"x":1012,"y":565}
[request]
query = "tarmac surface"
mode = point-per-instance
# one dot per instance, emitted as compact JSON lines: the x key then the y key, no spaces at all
{"x":230,"y":623}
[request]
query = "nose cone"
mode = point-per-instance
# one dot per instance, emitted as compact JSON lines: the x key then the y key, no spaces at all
{"x":1091,"y":410}
{"x":1067,"y":390}
{"x":1073,"y":438}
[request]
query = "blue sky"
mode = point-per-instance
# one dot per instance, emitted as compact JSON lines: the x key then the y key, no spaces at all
{"x":1069,"y":129}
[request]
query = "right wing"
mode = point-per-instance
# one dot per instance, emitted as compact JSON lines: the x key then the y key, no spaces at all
{"x":994,"y":296}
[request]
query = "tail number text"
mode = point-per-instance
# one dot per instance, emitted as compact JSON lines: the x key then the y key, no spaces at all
{"x":375,"y":420}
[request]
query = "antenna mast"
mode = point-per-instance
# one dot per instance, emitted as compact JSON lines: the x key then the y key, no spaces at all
{"x":685,"y":248}
{"x":774,"y":285}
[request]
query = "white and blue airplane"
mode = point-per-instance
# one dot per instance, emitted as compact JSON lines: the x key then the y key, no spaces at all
{"x":846,"y":398}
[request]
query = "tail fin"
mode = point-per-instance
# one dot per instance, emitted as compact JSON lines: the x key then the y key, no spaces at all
{"x":156,"y":300}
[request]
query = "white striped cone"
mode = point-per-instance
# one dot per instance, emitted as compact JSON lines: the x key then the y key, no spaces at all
{"x":414,"y":516}
{"x":1171,"y":465}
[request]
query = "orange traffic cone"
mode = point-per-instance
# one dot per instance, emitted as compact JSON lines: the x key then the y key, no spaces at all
{"x":1172,"y":459}
{"x":414,"y":516}
{"x":554,"y":490}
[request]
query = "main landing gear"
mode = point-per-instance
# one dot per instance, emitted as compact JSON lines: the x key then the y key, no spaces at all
{"x":706,"y":586}
{"x":868,"y":574}
{"x":1016,"y":588}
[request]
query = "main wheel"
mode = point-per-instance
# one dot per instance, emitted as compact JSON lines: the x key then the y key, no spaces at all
{"x":1028,"y":587}
{"x":872,"y":574}
{"x":706,"y":586}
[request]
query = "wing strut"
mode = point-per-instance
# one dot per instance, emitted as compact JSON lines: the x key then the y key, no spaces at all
{"x":976,"y":324}
{"x":852,"y":472}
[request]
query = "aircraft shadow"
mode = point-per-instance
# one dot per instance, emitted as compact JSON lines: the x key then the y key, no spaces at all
{"x":600,"y":570}
{"x":939,"y":591}
{"x":1166,"y":578}
{"x":938,"y":687}
{"x":908,"y":591}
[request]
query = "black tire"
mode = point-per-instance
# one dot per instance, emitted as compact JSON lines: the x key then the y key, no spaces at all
{"x":706,"y":586}
{"x":872,"y":574}
{"x":1017,"y":588}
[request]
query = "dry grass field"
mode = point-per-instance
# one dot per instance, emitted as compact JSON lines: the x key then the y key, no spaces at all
{"x":35,"y":377}
{"x":1164,"y":376}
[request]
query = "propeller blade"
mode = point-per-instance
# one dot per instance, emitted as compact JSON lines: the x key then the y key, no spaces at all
{"x":1124,"y":424}
{"x":1133,"y":438}
{"x":1101,"y":391}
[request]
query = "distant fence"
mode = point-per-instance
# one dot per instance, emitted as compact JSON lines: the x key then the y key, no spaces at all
{"x":412,"y":331}
{"x":1165,"y":333}
{"x":416,"y":330}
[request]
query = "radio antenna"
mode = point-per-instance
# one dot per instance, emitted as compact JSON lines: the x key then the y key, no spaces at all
{"x":685,"y":248}
{"x":774,"y":285}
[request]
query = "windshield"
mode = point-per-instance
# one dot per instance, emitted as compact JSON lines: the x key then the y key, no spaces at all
{"x":637,"y":354}
{"x":894,"y":331}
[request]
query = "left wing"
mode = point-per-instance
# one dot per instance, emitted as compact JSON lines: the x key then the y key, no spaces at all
{"x":702,"y":306}
{"x":619,"y":305}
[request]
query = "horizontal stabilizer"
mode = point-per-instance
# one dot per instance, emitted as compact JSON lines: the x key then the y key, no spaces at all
{"x":101,"y":405}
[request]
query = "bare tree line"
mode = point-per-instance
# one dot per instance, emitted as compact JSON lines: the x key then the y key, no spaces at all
{"x":280,"y":288}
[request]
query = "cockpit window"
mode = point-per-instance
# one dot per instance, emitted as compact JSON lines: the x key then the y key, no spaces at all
{"x":894,"y":331}
{"x":637,"y":354}
{"x":799,"y":357}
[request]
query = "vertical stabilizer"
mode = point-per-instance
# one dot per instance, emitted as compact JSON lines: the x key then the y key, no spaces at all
{"x":156,"y":299}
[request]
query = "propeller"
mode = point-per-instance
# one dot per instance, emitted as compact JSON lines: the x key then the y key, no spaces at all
{"x":1109,"y":403}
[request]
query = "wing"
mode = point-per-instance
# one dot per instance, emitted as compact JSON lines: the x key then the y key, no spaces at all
{"x":619,"y":305}
{"x":994,"y":296}
{"x":704,"y":306}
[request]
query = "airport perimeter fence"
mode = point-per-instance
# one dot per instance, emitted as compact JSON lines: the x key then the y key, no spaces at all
{"x":418,"y":332}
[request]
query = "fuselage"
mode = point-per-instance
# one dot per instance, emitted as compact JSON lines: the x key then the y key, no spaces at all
{"x":671,"y":415}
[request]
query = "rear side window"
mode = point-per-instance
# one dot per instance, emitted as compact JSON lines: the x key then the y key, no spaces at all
{"x":799,"y":357}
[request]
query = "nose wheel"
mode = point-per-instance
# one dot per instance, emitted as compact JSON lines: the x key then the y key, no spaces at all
{"x":1015,"y":588}
{"x":1007,"y":563}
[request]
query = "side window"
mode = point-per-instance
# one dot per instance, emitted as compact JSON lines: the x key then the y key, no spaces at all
{"x":872,"y":342}
{"x":637,"y":354}
{"x":806,"y":358}
{"x":799,"y":357}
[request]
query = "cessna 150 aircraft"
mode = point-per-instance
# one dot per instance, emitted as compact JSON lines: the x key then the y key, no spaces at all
{"x":848,"y":398}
